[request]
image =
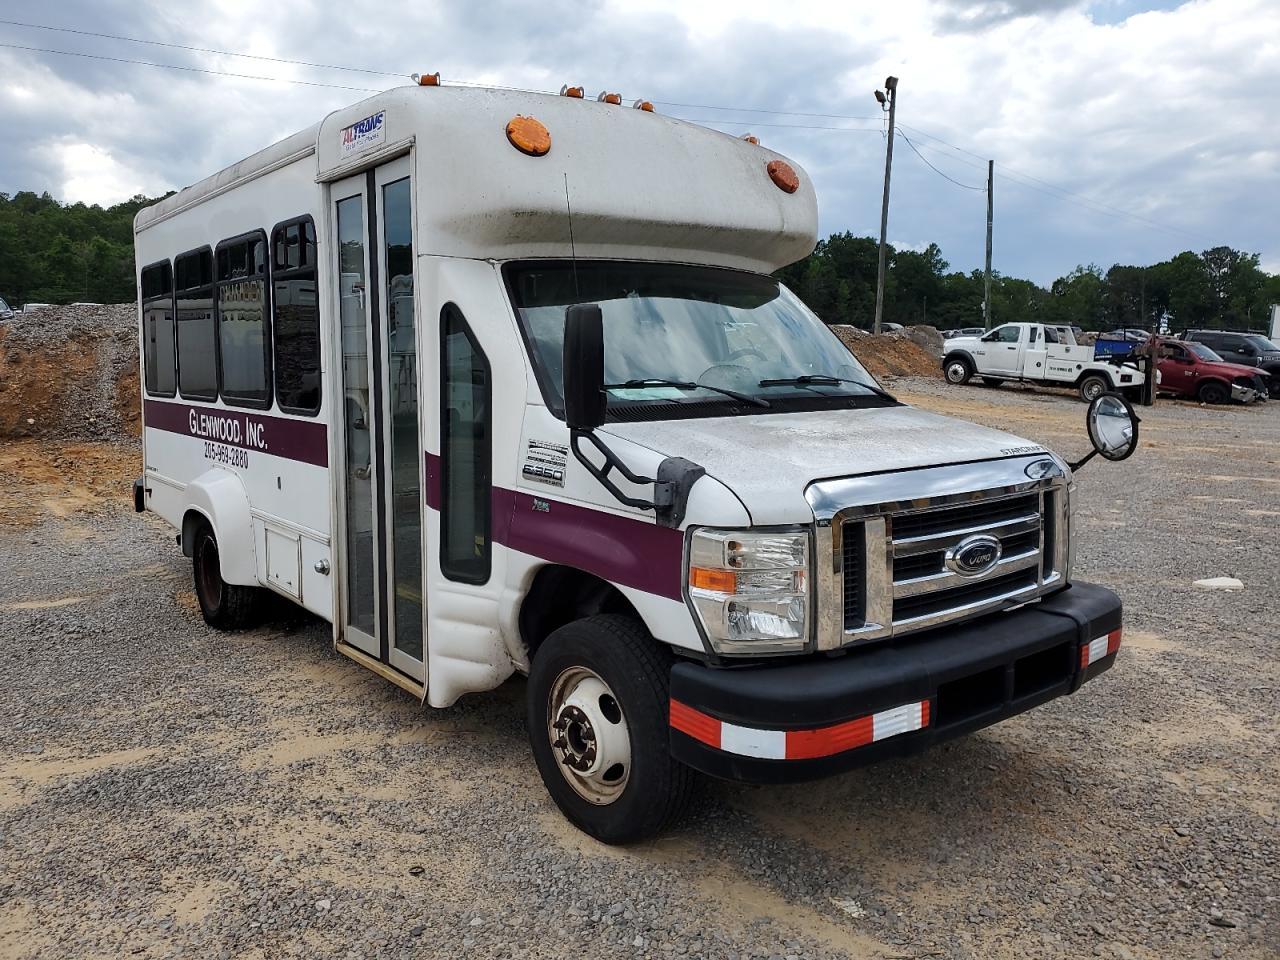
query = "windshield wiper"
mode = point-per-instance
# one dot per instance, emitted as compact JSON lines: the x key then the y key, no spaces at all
{"x":687,"y":385}
{"x":806,"y":379}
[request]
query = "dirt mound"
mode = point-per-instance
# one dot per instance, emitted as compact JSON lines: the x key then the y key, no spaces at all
{"x":890,"y":354}
{"x":70,"y":373}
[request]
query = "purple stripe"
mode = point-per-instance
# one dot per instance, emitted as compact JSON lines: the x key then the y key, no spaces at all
{"x":306,"y":441}
{"x":635,"y":553}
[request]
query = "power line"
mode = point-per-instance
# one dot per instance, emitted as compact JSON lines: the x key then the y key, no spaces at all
{"x":174,"y":66}
{"x":932,"y":167}
{"x":183,"y":46}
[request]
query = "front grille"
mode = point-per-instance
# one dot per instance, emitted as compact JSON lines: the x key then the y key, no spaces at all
{"x":921,"y":590}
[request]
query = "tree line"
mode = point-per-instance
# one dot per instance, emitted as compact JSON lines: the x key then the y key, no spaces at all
{"x":1219,"y":288}
{"x":52,"y":252}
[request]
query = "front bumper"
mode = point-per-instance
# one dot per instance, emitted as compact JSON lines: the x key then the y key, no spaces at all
{"x":823,"y":716}
{"x":1243,"y":394}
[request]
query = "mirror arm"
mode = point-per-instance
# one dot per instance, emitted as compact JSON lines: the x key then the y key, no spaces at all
{"x":676,"y":477}
{"x":1083,"y":460}
{"x":610,"y":462}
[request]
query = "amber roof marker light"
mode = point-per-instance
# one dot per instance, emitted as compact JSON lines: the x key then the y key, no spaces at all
{"x":427,"y":79}
{"x":750,"y":138}
{"x":644,"y":105}
{"x":528,"y":135}
{"x":606,"y":97}
{"x":783,"y":175}
{"x":568,"y":91}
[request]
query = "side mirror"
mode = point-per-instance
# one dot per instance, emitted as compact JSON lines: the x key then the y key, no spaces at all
{"x":583,"y":370}
{"x":1113,"y":429}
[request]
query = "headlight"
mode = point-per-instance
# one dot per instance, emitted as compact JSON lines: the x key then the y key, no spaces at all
{"x":751,"y":590}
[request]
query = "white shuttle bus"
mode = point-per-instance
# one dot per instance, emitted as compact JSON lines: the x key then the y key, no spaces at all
{"x":500,"y":383}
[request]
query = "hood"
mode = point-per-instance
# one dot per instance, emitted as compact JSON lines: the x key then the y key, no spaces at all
{"x":767,"y":460}
{"x":1233,"y":369}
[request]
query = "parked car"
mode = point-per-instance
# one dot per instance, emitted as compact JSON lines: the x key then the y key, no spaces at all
{"x":1246,"y":349}
{"x":1190,"y":369}
{"x":1035,"y":353}
{"x":6,"y":313}
{"x":965,"y":332}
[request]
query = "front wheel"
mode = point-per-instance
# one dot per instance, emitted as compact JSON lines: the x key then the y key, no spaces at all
{"x":958,"y":371}
{"x":598,"y":708}
{"x":1213,"y":392}
{"x":226,"y":606}
{"x":1092,"y":387}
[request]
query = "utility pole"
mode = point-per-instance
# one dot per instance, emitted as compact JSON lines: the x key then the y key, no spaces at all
{"x":986,"y":280}
{"x":889,"y":96}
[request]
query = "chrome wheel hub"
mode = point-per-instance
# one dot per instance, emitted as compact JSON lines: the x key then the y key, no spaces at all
{"x":589,"y":735}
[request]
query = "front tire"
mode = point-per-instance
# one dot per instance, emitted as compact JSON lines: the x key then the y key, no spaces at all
{"x":1092,"y":387}
{"x":598,"y":709}
{"x":1213,"y":392}
{"x":958,"y":370}
{"x":225,"y":606}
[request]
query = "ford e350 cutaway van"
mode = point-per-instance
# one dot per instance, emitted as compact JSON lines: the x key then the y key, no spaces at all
{"x":500,"y":383}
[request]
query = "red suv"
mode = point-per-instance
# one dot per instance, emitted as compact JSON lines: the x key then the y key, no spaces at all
{"x":1190,"y":369}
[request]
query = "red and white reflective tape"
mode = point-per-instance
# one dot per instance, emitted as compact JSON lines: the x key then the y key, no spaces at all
{"x":1104,"y":646}
{"x":798,"y":744}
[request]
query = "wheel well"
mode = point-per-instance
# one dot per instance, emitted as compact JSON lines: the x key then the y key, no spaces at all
{"x":1204,"y":381}
{"x":560,"y":595}
{"x":1085,"y":374}
{"x":192,"y":521}
{"x":959,"y":355}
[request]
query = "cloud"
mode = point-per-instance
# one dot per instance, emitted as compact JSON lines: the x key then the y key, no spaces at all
{"x":1163,"y":113}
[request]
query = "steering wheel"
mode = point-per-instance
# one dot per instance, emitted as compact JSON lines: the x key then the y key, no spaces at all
{"x":745,"y":352}
{"x":727,"y":375}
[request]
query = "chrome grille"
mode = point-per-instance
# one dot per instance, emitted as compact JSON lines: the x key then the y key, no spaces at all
{"x":889,"y":574}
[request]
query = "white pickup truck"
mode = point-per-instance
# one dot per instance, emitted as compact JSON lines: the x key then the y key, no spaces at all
{"x":1036,"y":353}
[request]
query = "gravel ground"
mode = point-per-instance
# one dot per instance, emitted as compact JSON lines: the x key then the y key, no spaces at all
{"x":169,"y":791}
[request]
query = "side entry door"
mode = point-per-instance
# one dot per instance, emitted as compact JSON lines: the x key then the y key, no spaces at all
{"x":380,"y":442}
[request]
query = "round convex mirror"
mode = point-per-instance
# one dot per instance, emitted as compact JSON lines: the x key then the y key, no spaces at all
{"x":1113,"y":426}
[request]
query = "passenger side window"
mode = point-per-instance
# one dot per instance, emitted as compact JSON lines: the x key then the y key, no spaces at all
{"x":157,"y":330}
{"x":464,"y":452}
{"x":244,"y":337}
{"x":295,"y":316}
{"x":197,"y":335}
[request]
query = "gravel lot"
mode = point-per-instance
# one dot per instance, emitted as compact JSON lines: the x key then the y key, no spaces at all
{"x":169,"y":791}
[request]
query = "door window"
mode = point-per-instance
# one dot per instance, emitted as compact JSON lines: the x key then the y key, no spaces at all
{"x":1005,"y":334}
{"x":465,"y":455}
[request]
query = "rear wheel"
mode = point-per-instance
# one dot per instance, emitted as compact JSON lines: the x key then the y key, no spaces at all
{"x":1092,"y":387}
{"x":958,"y":370}
{"x":598,"y":707}
{"x":1213,"y":392}
{"x":226,"y":606}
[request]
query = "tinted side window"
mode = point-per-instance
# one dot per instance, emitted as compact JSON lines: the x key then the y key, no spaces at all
{"x":295,"y":313}
{"x":464,"y":452}
{"x":160,"y":373}
{"x":1004,"y":335}
{"x":244,"y":336}
{"x":197,"y":335}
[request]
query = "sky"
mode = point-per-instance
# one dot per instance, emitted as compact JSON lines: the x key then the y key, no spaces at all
{"x":1122,"y":131}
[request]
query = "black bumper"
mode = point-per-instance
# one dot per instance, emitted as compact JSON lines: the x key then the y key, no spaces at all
{"x":972,"y":675}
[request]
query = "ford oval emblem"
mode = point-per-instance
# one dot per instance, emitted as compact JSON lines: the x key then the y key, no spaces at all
{"x":973,"y":556}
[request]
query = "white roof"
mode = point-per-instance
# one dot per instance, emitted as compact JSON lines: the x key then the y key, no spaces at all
{"x":641,"y":185}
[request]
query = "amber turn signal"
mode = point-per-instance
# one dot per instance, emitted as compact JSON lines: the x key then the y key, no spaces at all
{"x":783,"y":176}
{"x":718,"y":581}
{"x":528,"y":135}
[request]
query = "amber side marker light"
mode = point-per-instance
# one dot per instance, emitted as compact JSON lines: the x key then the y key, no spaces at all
{"x":429,"y":80}
{"x":568,"y":91}
{"x":783,"y":176}
{"x":718,"y":581}
{"x":606,"y":97}
{"x":528,"y":135}
{"x":644,"y":105}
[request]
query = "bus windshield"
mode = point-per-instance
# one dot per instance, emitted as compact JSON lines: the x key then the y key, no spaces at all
{"x":715,"y":335}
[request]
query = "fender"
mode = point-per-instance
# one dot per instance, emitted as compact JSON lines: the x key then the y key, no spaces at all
{"x":953,"y":354}
{"x":220,"y":497}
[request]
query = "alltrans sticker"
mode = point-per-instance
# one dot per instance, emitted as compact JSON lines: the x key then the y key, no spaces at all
{"x":545,"y":462}
{"x":365,"y":133}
